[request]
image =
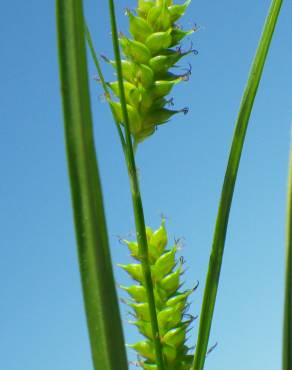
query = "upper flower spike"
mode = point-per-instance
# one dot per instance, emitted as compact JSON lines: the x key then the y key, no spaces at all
{"x":149,"y":54}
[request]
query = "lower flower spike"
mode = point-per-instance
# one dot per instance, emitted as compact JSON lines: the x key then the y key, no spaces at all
{"x":171,"y":303}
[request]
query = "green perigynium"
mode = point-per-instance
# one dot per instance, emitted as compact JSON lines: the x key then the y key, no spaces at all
{"x":149,"y":55}
{"x":171,"y":303}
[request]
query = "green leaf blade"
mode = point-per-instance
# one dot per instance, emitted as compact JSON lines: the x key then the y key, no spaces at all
{"x":287,"y":325}
{"x":215,"y":263}
{"x":101,"y":305}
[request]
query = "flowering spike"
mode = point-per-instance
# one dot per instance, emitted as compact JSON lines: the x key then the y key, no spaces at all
{"x":171,"y":304}
{"x":150,"y":53}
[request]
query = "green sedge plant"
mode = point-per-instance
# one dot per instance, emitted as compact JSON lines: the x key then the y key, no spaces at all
{"x":139,"y":102}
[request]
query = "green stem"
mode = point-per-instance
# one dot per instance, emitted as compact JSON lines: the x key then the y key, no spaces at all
{"x":287,"y":328}
{"x":136,"y":198}
{"x":99,"y":292}
{"x":215,"y":262}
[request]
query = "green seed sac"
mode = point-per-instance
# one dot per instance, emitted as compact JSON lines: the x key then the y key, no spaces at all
{"x":171,"y":303}
{"x":152,"y":51}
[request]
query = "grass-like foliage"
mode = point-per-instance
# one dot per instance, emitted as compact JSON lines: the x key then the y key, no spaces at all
{"x":145,"y":77}
{"x":219,"y":237}
{"x":101,"y":305}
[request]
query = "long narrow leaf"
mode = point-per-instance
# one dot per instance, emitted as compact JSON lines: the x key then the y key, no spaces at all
{"x":136,"y":198}
{"x":287,"y":329}
{"x":101,"y":305}
{"x":103,"y":83}
{"x":215,"y":262}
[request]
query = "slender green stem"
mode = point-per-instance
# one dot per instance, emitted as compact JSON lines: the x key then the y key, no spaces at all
{"x":101,"y":304}
{"x":103,"y":83}
{"x":287,"y":328}
{"x":215,"y":262}
{"x":136,"y":198}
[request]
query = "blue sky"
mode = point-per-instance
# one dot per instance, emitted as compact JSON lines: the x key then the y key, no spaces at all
{"x":181,"y":172}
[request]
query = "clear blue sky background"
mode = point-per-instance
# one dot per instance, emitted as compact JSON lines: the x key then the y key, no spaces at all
{"x":181,"y":169}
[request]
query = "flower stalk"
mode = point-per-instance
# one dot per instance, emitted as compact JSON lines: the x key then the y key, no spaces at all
{"x":136,"y":198}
